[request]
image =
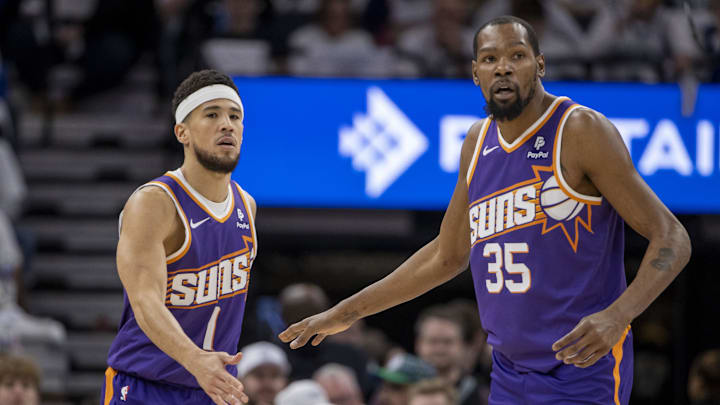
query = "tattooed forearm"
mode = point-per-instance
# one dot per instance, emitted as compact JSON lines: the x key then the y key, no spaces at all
{"x":663,"y":262}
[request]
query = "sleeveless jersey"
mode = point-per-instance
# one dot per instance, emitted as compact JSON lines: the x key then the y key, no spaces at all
{"x":207,"y":282}
{"x":542,"y":255}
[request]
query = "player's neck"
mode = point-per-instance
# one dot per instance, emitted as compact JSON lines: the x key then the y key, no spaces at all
{"x":512,"y":129}
{"x":212,"y":185}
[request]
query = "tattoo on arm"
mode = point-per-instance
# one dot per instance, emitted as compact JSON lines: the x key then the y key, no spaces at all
{"x":663,"y":262}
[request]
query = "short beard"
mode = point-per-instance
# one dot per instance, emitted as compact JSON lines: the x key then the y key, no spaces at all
{"x":214,"y":163}
{"x":512,"y":111}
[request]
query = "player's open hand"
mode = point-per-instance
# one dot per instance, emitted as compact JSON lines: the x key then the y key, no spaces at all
{"x":222,"y":387}
{"x":321,"y":325}
{"x":592,"y":338}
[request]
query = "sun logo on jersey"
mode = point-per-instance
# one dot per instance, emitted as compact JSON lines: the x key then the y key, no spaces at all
{"x":537,"y":201}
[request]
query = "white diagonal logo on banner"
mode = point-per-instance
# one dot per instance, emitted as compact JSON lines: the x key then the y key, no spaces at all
{"x":384,"y":143}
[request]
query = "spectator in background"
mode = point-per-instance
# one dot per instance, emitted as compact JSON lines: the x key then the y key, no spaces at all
{"x":704,"y":379}
{"x":263,"y":370}
{"x":398,"y":375}
{"x":297,"y":301}
{"x":443,"y":47}
{"x":243,"y":38}
{"x":302,"y":392}
{"x":632,"y":43}
{"x":332,"y":46}
{"x":340,"y":384}
{"x":478,"y":355}
{"x":19,"y":381}
{"x":441,"y":340}
{"x":432,"y":392}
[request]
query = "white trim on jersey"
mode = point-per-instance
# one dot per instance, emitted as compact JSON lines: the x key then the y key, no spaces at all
{"x":475,"y":157}
{"x":531,"y":128}
{"x":246,"y":201}
{"x":179,"y":212}
{"x":556,"y":160}
{"x":220,"y":210}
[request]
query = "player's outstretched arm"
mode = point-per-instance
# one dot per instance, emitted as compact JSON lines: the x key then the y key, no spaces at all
{"x":596,"y":148}
{"x":437,"y":262}
{"x":149,"y":219}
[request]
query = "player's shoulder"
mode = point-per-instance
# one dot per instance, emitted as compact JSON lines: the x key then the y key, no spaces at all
{"x":150,"y":200}
{"x":248,"y":198}
{"x":584,"y":120}
{"x":473,"y":134}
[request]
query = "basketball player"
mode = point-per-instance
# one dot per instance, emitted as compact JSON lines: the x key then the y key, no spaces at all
{"x":187,"y":242}
{"x":538,"y":213}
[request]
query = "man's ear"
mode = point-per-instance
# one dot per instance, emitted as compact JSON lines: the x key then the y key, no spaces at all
{"x":541,"y":65}
{"x":182,"y":133}
{"x":475,"y":77}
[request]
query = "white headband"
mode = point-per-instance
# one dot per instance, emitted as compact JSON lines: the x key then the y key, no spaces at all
{"x":206,"y":93}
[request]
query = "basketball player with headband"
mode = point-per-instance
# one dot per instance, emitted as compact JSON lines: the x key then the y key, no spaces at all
{"x":187,"y":243}
{"x":538,"y":211}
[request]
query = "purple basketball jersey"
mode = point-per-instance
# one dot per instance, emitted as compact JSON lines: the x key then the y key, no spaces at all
{"x":207,"y":282}
{"x":542,"y":256}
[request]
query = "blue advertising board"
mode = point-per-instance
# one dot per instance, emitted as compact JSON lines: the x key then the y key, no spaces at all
{"x":396,"y":143}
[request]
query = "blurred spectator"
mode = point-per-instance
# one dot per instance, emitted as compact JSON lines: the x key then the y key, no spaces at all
{"x":263,"y":370}
{"x":634,"y":42}
{"x":302,"y":392}
{"x":561,"y":26}
{"x":478,"y":355}
{"x":432,"y":392}
{"x":441,"y":340}
{"x":298,"y":301}
{"x":19,"y":381}
{"x":340,"y":384}
{"x":442,"y":48}
{"x":704,"y":43}
{"x":112,"y":45}
{"x":704,"y":379}
{"x":242,"y":42}
{"x":398,"y":375}
{"x":332,"y":46}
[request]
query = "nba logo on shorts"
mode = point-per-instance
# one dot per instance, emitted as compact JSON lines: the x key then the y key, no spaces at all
{"x":556,"y":204}
{"x":123,"y":393}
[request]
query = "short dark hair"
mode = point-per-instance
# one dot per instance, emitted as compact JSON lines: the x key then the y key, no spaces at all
{"x":14,"y":368}
{"x":509,"y":19}
{"x":446,"y":313}
{"x":197,"y":81}
{"x":433,"y":386}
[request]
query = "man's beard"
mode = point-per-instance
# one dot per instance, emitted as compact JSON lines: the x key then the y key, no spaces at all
{"x":215,"y":163}
{"x":511,"y":111}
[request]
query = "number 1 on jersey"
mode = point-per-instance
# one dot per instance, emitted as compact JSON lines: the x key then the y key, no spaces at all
{"x":210,"y":331}
{"x":496,"y":268}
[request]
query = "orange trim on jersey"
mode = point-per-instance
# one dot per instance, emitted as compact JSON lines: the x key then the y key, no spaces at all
{"x":183,"y":217}
{"x":235,"y":253}
{"x":617,"y":352}
{"x":478,"y":147}
{"x":540,"y":217}
{"x":250,"y":215}
{"x":201,"y":205}
{"x":514,"y":228}
{"x":244,"y":290}
{"x":534,"y":131}
{"x":110,"y":374}
{"x":557,"y":163}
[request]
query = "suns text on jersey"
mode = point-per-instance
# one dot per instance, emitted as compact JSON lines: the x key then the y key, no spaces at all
{"x":199,"y":287}
{"x":504,"y":212}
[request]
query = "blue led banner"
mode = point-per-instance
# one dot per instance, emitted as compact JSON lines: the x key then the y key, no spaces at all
{"x":396,"y":143}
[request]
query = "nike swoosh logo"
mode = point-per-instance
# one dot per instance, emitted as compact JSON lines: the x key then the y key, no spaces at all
{"x":486,"y":150}
{"x":194,"y":225}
